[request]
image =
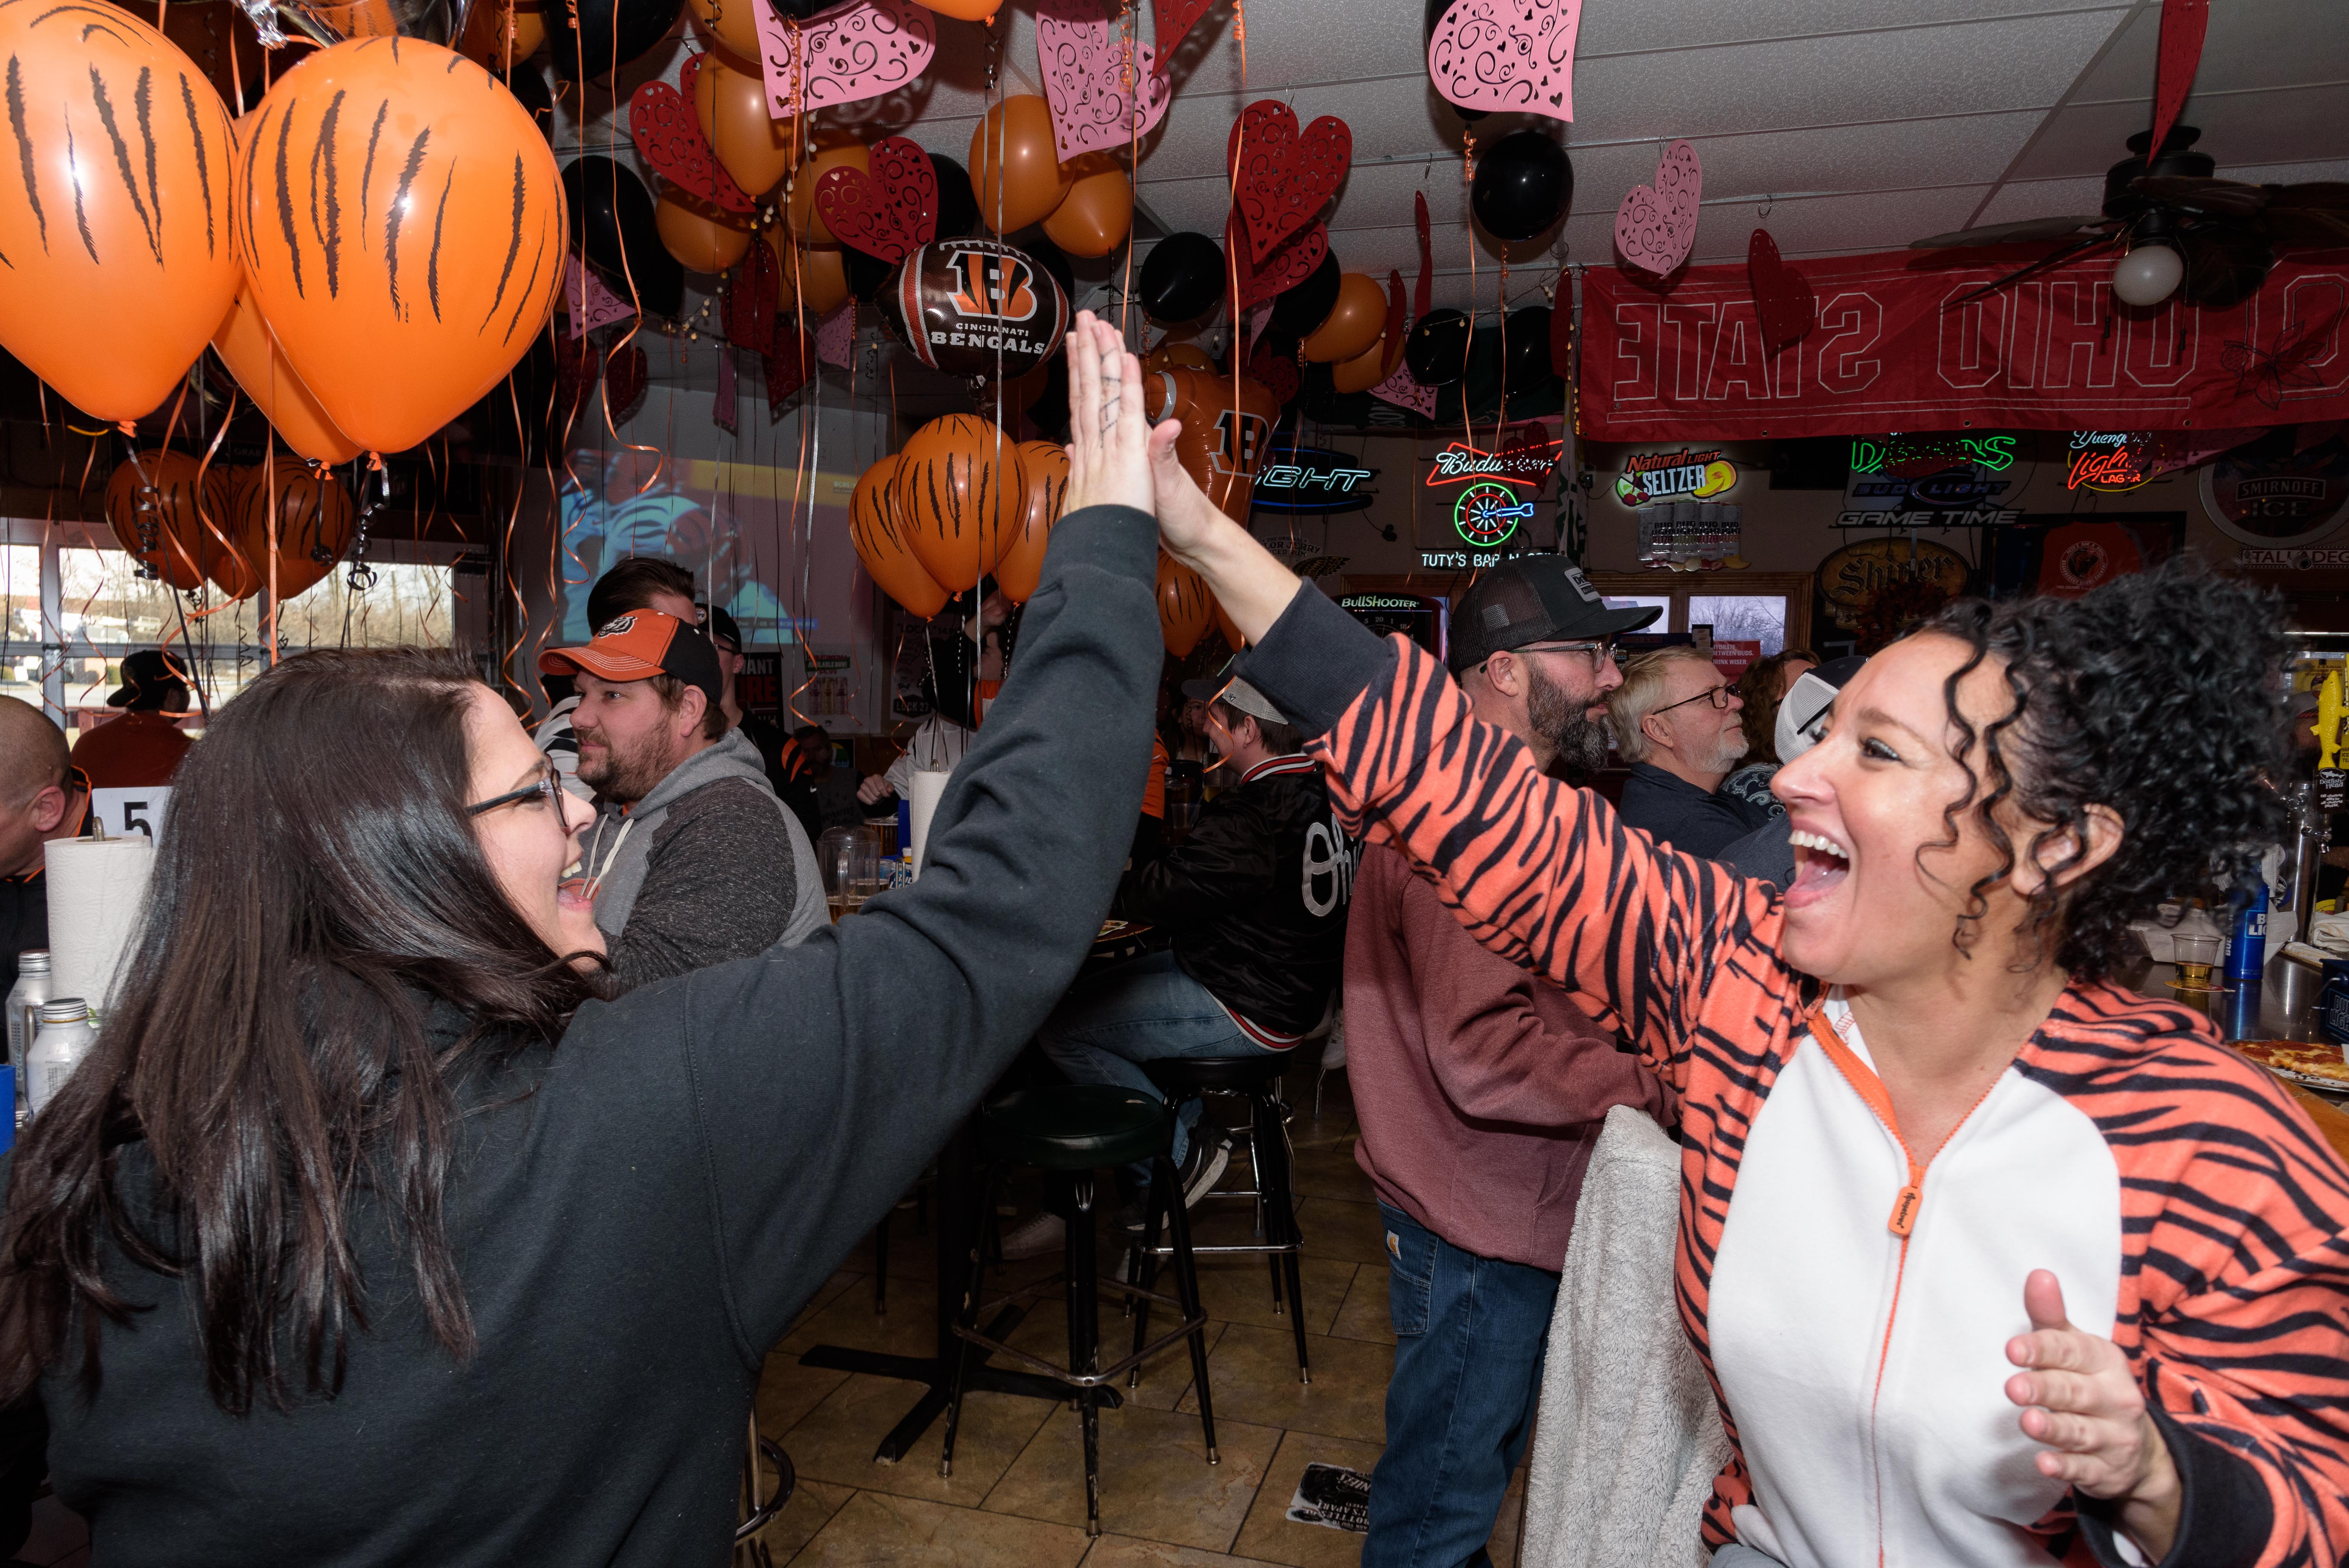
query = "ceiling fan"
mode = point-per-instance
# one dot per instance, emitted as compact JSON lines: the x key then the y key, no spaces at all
{"x":2175,"y":224}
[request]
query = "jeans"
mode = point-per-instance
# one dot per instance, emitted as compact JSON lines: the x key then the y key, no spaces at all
{"x":1470,"y":1332}
{"x":1142,"y":1011}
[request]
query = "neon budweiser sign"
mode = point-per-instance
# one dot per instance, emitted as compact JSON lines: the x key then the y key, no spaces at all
{"x":1526,"y":465}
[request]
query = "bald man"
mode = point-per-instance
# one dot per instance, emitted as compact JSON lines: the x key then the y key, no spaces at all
{"x":41,"y":797}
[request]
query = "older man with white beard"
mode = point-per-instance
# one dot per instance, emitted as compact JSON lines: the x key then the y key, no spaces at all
{"x":1676,"y":722}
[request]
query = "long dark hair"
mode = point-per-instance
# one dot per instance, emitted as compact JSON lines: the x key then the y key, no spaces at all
{"x":2159,"y":696}
{"x":317,"y":888}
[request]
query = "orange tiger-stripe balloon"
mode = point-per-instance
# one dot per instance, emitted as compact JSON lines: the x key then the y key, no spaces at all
{"x":960,"y":489}
{"x":1046,"y":466}
{"x":401,"y":222}
{"x":170,"y":537}
{"x":243,"y":345}
{"x":314,"y":517}
{"x":114,"y":236}
{"x":1185,"y":608}
{"x":880,"y":544}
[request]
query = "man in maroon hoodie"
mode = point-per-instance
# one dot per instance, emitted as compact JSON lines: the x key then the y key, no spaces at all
{"x":1480,"y":1091}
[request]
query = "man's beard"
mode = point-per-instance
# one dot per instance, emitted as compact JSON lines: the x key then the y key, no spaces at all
{"x":1728,"y":754}
{"x":1558,"y":717}
{"x":628,"y":777}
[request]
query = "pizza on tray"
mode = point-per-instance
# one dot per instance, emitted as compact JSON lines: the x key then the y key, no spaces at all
{"x":2311,"y":1062}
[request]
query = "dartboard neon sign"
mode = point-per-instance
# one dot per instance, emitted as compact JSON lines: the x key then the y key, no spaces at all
{"x":1488,"y":512}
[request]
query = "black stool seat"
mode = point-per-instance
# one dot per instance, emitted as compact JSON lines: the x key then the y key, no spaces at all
{"x":1197,"y":1073}
{"x":1076,"y":1127}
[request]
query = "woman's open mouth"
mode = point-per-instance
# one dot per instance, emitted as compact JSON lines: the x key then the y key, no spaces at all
{"x":1820,"y":866}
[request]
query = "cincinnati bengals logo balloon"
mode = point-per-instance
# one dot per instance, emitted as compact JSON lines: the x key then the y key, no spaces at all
{"x":401,"y":222}
{"x":167,"y":529}
{"x":977,"y":307}
{"x":1226,"y":429}
{"x":1021,"y":562}
{"x":114,"y":236}
{"x":309,"y":531}
{"x":960,"y":492}
{"x":880,"y":542}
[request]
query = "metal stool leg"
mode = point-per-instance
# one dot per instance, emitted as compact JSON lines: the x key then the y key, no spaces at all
{"x":966,"y":1313}
{"x":1278,"y":1181}
{"x":1187,"y":1290}
{"x":1145,"y":1275}
{"x":1263,"y":1125}
{"x":1084,"y":1334}
{"x":881,"y":1264}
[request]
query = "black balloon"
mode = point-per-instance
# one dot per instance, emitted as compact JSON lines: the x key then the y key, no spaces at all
{"x":530,"y":86}
{"x":1437,"y":348}
{"x":1526,"y":359}
{"x":1435,"y":10}
{"x":610,"y":33}
{"x":799,"y":10}
{"x":1301,"y":310}
{"x":1183,"y":277}
{"x":612,"y":225}
{"x":957,"y":207}
{"x":867,"y":273}
{"x":1523,"y":185}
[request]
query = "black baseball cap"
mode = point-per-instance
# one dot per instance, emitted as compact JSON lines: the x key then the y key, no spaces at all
{"x":1532,"y":599}
{"x":149,"y":673}
{"x":637,"y":647}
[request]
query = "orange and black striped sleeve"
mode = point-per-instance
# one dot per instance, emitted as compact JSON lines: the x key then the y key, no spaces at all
{"x":1542,"y":874}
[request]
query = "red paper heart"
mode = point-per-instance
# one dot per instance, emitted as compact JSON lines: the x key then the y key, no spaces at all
{"x":890,"y":213}
{"x":577,"y":363}
{"x":750,"y":290}
{"x":624,"y":383}
{"x":789,"y":362}
{"x":1421,"y":294}
{"x":1782,"y":296}
{"x":1288,"y":266}
{"x":2183,"y":23}
{"x":665,"y":129}
{"x":1277,"y":375}
{"x":1284,"y":176}
{"x":1175,"y":20}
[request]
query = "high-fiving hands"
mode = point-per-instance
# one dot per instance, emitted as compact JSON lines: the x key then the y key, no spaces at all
{"x":2081,"y":1399}
{"x":1109,"y":437}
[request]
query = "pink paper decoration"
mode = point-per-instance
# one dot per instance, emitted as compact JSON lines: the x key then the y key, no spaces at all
{"x":2182,"y":25}
{"x":859,"y":50}
{"x":1088,"y":61}
{"x":591,"y":304}
{"x":1783,"y":299}
{"x":1655,"y":229}
{"x":1286,"y":176}
{"x":1403,"y":390}
{"x":1499,"y":56}
{"x":722,"y":410}
{"x":835,"y":336}
{"x":1259,"y":316}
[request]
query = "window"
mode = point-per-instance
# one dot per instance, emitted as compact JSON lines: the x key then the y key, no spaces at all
{"x":1742,"y":618}
{"x":20,"y":632}
{"x":1772,"y":608}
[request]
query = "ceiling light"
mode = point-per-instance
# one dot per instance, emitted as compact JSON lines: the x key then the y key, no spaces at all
{"x":2149,"y":274}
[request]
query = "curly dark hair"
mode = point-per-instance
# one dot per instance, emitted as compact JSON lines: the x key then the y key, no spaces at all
{"x":2155,"y":695}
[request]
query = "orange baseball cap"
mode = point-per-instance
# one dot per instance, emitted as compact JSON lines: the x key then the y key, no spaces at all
{"x":637,"y":647}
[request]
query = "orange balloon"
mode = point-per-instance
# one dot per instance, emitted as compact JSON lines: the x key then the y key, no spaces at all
{"x":216,"y":37}
{"x":1363,"y":371}
{"x":731,"y":104}
{"x":486,"y":42}
{"x":313,"y":525}
{"x":1015,"y":166}
{"x":806,"y":278}
{"x":119,"y":268}
{"x":1097,"y":214}
{"x":966,"y":10}
{"x":731,"y":25}
{"x":961,"y":492}
{"x":245,"y":346}
{"x":1226,"y":625}
{"x":1185,"y":608}
{"x":701,"y":235}
{"x":1355,"y":322}
{"x":1046,"y":464}
{"x":880,"y":542}
{"x":807,"y":223}
{"x":413,"y":294}
{"x":167,"y":532}
{"x":1175,"y":355}
{"x":1226,"y":427}
{"x":361,"y":19}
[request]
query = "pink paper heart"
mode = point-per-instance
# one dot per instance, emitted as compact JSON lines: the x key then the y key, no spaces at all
{"x":1090,"y":74}
{"x":1284,"y":176}
{"x":1499,"y":56}
{"x":1403,"y":389}
{"x":836,"y":336}
{"x":890,"y":213}
{"x":1783,"y":300}
{"x":591,"y":302}
{"x":851,"y":52}
{"x":662,"y":124}
{"x":1655,"y":229}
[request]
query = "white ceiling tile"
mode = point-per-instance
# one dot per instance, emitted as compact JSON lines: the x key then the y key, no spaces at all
{"x":2248,"y":44}
{"x":1955,"y":151}
{"x":2288,"y":125}
{"x":1884,"y":221}
{"x":1686,"y":24}
{"x":2021,"y":198}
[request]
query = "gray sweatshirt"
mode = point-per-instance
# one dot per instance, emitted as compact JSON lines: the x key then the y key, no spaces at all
{"x":709,"y":866}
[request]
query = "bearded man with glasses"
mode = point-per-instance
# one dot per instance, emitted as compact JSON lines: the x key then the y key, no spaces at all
{"x":1676,"y":721}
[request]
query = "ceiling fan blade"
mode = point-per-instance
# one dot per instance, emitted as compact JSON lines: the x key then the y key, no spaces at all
{"x":2311,"y":228}
{"x":2231,"y":197}
{"x":2225,"y":263}
{"x":2055,"y":258}
{"x":2030,"y":231}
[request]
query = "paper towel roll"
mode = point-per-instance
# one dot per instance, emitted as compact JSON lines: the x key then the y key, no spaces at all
{"x":927,"y":786}
{"x":98,"y":891}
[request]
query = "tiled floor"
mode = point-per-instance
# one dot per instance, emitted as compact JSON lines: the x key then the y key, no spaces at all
{"x":1017,"y":1495}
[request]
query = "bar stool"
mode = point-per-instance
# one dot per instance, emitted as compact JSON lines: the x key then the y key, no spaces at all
{"x":1069,"y":1132}
{"x":758,"y":1515}
{"x":1257,"y":1081}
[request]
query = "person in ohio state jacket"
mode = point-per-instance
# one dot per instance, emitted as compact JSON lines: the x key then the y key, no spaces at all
{"x":1255,"y":899}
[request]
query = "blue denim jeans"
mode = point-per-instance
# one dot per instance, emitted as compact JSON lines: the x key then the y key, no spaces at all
{"x":1141,"y":1011}
{"x":1469,"y":1336}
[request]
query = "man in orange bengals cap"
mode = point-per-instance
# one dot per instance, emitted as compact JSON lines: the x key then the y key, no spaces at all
{"x":692,"y":859}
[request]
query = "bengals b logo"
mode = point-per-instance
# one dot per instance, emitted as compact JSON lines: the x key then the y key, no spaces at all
{"x":990,"y":284}
{"x":1239,"y":450}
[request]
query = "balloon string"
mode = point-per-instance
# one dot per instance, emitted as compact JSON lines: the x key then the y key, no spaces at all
{"x":1501,"y":417}
{"x":245,"y":570}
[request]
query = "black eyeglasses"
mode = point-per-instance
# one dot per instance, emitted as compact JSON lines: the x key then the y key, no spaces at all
{"x":1599,"y":653}
{"x":549,"y":787}
{"x":1718,"y":696}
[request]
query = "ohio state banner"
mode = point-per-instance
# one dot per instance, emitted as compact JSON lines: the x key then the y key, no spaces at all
{"x":2049,"y":353}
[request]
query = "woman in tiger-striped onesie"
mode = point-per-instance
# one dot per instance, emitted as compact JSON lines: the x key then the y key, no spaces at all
{"x":1991,"y":1261}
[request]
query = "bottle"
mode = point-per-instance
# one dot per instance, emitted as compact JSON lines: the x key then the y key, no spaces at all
{"x":2332,"y":1010}
{"x":65,"y":1038}
{"x":25,"y":999}
{"x":2247,"y":949}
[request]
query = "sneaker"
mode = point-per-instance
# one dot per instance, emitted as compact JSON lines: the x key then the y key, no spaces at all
{"x":1044,"y":1234}
{"x":1204,"y":1164}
